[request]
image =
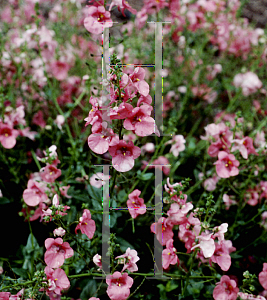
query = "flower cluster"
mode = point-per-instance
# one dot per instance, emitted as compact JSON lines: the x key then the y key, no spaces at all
{"x":123,"y":89}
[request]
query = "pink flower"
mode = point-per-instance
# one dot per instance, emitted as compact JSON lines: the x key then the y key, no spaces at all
{"x":137,"y":78}
{"x":227,"y":165}
{"x":57,"y":280}
{"x":249,"y":82}
{"x":102,"y":138}
{"x":163,"y":230}
{"x":226,"y":289}
{"x":178,"y":146}
{"x":122,"y":5}
{"x":57,"y":251}
{"x":59,"y":69}
{"x":119,"y":286}
{"x":130,"y":259}
{"x":221,"y":256}
{"x":177,"y":213}
{"x":263,"y":276}
{"x":135,"y":204}
{"x":8,"y":136}
{"x":38,"y":119}
{"x":86,"y":224}
{"x":34,"y":194}
{"x":228,"y":201}
{"x":64,"y":191}
{"x":98,"y":19}
{"x":123,"y":155}
{"x":210,"y":183}
{"x":97,"y":261}
{"x":168,"y":255}
{"x":50,"y":173}
{"x":250,"y":296}
{"x":93,"y":298}
{"x":59,"y":232}
{"x":4,"y":295}
{"x":99,"y":179}
{"x":206,"y":244}
{"x":245,"y":147}
{"x":140,"y":121}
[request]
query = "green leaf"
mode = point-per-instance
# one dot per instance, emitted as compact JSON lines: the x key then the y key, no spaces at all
{"x":21,"y":272}
{"x":31,"y":245}
{"x":123,"y":244}
{"x":95,"y":193}
{"x":4,"y":200}
{"x":89,"y":289}
{"x":144,"y":177}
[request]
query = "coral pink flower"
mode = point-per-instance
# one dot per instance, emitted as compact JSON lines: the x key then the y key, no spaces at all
{"x":226,"y":289}
{"x":130,"y":259}
{"x":97,"y":261}
{"x":8,"y":136}
{"x":122,"y":5}
{"x":98,"y":179}
{"x":50,"y":173}
{"x":228,"y":201}
{"x":86,"y":224}
{"x":177,"y":213}
{"x":4,"y":295}
{"x":34,"y":194}
{"x":140,"y":121}
{"x":59,"y":232}
{"x":57,"y":280}
{"x":177,"y":143}
{"x":169,"y":256}
{"x":102,"y":138}
{"x":64,"y":191}
{"x":135,"y":204}
{"x":206,"y":244}
{"x":98,"y":19}
{"x":227,"y":165}
{"x":93,"y":298}
{"x":123,"y":155}
{"x":221,"y":256}
{"x":163,"y":230}
{"x":57,"y":251}
{"x":245,"y":147}
{"x":263,"y":276}
{"x":246,"y":296}
{"x":119,"y":286}
{"x":249,"y":82}
{"x":59,"y":69}
{"x":38,"y":119}
{"x":137,"y":78}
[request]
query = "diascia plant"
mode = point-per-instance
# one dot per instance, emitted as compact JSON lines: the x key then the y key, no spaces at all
{"x":186,"y":199}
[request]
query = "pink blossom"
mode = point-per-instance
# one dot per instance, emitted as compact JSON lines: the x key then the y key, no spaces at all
{"x":250,"y":296}
{"x":97,"y":261}
{"x":38,"y":119}
{"x":34,"y":194}
{"x":178,"y":146}
{"x":252,"y":196}
{"x":249,"y":82}
{"x":228,"y":201}
{"x":119,"y":286}
{"x":227,"y":165}
{"x":169,"y":256}
{"x":57,"y":280}
{"x":140,"y":121}
{"x":50,"y":173}
{"x":160,"y":163}
{"x":59,"y":232}
{"x":135,"y":204}
{"x":97,"y":19}
{"x":8,"y":135}
{"x":86,"y":224}
{"x":102,"y":137}
{"x":64,"y":191}
{"x":122,"y":5}
{"x":137,"y":78}
{"x":130,"y":259}
{"x":4,"y":295}
{"x":59,"y":69}
{"x":93,"y":298}
{"x":245,"y":147}
{"x":210,"y":183}
{"x":263,"y":276}
{"x":99,"y":179}
{"x":177,"y":213}
{"x":219,"y":231}
{"x":163,"y":230}
{"x":57,"y":251}
{"x":206,"y":244}
{"x":221,"y":256}
{"x":123,"y":155}
{"x":226,"y":289}
{"x":59,"y":121}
